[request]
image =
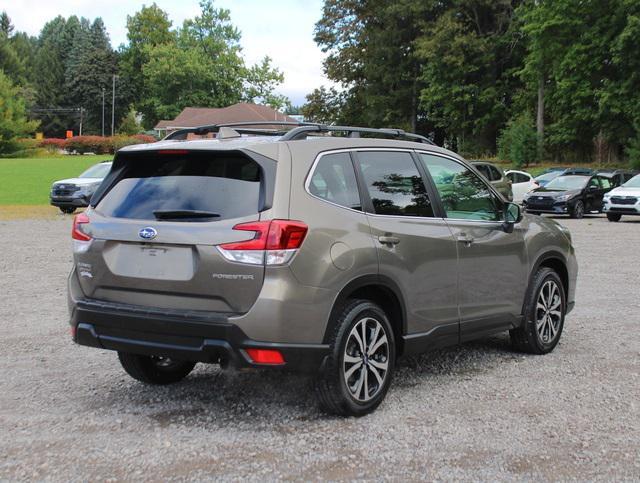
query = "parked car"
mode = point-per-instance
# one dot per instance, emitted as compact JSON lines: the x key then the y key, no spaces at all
{"x":623,"y":200}
{"x":572,"y":194}
{"x":70,"y":194}
{"x":335,"y":255}
{"x":553,"y":173}
{"x":521,"y":183}
{"x":617,"y":177}
{"x":496,"y":177}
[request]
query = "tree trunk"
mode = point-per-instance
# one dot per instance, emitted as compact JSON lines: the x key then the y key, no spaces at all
{"x":540,"y":116}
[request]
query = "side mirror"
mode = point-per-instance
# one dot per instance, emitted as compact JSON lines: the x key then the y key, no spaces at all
{"x":593,"y":188}
{"x":512,"y":215}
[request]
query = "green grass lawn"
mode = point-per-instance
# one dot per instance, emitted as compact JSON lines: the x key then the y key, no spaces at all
{"x":27,"y":181}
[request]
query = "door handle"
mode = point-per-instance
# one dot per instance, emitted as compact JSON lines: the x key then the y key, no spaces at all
{"x":388,"y":240}
{"x":466,"y":239}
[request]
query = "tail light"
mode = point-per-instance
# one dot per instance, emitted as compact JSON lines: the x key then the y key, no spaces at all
{"x":275,"y":242}
{"x":81,"y":241}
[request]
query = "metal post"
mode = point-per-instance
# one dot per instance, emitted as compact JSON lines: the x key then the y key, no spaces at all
{"x":113,"y":107}
{"x":103,"y":112}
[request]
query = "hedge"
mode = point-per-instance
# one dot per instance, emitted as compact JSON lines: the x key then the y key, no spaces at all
{"x":95,"y":144}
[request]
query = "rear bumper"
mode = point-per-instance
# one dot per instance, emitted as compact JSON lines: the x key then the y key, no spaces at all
{"x":184,"y":335}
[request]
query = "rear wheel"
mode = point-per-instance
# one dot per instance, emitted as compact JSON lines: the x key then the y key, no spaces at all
{"x":153,"y":369}
{"x":578,"y":210}
{"x":67,"y":209}
{"x":614,"y":217}
{"x":358,"y":371}
{"x":544,"y":313}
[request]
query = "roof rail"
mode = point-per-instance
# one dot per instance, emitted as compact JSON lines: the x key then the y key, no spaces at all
{"x":299,"y":130}
{"x":352,"y":131}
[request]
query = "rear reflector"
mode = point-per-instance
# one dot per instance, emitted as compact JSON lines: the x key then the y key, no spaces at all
{"x":274,"y":242}
{"x":265,"y":356}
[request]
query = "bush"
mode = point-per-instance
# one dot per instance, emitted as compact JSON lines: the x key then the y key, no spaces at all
{"x":53,"y":145}
{"x":518,"y":142}
{"x":103,"y":145}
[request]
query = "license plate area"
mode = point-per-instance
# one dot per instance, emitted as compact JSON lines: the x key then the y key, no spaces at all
{"x":150,"y":261}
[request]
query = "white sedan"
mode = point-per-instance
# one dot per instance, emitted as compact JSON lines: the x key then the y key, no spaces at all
{"x":521,"y":183}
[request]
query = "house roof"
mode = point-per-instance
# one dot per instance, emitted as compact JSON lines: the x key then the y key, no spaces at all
{"x":241,"y":112}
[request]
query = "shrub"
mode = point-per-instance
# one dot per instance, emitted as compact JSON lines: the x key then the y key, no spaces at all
{"x":103,"y":145}
{"x":53,"y":145}
{"x":518,"y":142}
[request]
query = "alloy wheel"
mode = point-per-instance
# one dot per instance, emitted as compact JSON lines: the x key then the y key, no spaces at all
{"x":366,"y":359}
{"x":548,"y":312}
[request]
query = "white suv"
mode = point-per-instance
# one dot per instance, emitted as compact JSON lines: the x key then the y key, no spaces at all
{"x":623,"y":200}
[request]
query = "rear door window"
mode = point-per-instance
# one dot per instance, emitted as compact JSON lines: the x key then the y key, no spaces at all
{"x":334,"y":180}
{"x":394,"y":184}
{"x":495,"y":174}
{"x":222,"y":185}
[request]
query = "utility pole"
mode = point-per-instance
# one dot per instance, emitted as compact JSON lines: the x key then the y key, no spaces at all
{"x":103,"y":112}
{"x":81,"y":110}
{"x":113,"y":106}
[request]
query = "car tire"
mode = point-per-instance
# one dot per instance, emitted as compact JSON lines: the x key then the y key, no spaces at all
{"x":67,"y":210}
{"x":155,"y":370}
{"x":544,"y":311}
{"x":577,"y":211}
{"x":615,"y":217}
{"x":356,"y":375}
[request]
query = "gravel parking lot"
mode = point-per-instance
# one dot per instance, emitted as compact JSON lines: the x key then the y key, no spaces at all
{"x":476,"y":412}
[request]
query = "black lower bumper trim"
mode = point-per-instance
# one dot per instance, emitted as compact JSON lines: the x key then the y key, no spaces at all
{"x":209,"y":339}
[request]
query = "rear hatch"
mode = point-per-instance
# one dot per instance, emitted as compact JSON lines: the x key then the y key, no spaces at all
{"x":155,"y":224}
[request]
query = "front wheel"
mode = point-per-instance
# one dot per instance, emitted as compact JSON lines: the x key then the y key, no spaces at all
{"x":358,"y":371}
{"x":544,"y":313}
{"x":578,"y":210}
{"x":67,"y":210}
{"x":155,"y":370}
{"x":615,"y":217}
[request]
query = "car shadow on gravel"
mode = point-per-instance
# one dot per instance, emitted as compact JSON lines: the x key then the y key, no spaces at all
{"x":211,"y":397}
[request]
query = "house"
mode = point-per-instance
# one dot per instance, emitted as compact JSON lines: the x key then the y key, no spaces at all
{"x":202,"y":116}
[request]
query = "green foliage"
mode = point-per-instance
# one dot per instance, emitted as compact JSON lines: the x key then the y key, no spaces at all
{"x":518,"y":142}
{"x":633,"y":152}
{"x":129,"y":124}
{"x":13,"y":119}
{"x":103,"y":145}
{"x":323,"y":106}
{"x":202,"y":66}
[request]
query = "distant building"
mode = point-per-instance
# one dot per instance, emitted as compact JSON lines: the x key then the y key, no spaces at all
{"x":201,"y":116}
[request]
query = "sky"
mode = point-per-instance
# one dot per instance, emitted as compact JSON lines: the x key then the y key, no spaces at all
{"x":281,"y":29}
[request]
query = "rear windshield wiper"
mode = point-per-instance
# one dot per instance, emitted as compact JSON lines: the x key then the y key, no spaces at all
{"x":176,"y":214}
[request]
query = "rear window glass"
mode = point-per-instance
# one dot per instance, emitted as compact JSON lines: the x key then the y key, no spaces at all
{"x":226,"y":185}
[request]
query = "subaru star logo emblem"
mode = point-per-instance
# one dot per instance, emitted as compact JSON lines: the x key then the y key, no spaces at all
{"x":148,"y":233}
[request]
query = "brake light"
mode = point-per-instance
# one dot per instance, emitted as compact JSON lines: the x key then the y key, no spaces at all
{"x":173,"y":151}
{"x":265,"y":356}
{"x":81,"y":241}
{"x":275,"y":242}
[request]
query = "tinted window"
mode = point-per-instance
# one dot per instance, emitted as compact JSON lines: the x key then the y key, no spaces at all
{"x":517,"y":177}
{"x":495,"y":174}
{"x":593,"y":183}
{"x":607,"y":183}
{"x":334,"y":180}
{"x":394,"y":184}
{"x":227,"y":185}
{"x":464,"y":195}
{"x":97,"y":171}
{"x":483,"y":170}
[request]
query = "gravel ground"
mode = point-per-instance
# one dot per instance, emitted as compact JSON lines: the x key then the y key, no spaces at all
{"x":475,"y":412}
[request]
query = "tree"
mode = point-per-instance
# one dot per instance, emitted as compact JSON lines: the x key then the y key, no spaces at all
{"x":13,"y":119}
{"x":518,"y":141}
{"x":203,"y":67}
{"x":371,"y":53}
{"x":323,"y":106}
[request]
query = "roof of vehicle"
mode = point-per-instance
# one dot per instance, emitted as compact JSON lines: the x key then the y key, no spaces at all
{"x":258,"y":143}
